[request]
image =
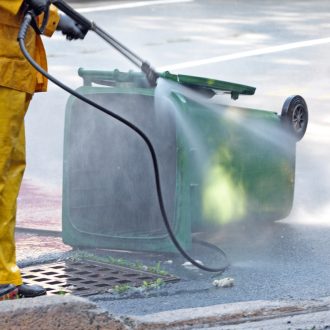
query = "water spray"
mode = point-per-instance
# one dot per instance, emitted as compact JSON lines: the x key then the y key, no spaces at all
{"x":294,"y":116}
{"x":152,"y":76}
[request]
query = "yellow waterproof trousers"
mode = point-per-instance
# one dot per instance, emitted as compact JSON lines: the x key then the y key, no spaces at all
{"x":13,"y":106}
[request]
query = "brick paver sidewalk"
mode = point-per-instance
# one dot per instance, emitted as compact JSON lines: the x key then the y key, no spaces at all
{"x":39,"y":208}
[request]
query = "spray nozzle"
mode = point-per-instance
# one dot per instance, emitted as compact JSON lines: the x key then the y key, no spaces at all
{"x":151,"y":74}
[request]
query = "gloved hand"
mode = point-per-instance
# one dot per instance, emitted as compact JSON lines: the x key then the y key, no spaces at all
{"x":38,"y":6}
{"x":70,"y":28}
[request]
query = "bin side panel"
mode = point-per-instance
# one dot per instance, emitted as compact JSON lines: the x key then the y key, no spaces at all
{"x":109,"y":187}
{"x":242,"y":163}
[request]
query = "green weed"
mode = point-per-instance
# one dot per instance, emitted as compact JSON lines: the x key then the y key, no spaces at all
{"x":121,"y":288}
{"x":153,"y":284}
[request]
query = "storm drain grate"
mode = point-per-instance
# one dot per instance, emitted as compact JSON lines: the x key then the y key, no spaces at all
{"x":86,"y":278}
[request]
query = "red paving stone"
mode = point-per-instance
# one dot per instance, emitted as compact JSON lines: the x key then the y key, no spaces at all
{"x":39,"y":206}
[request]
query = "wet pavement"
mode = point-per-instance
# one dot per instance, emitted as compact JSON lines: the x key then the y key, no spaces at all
{"x":38,"y":234}
{"x":39,"y":206}
{"x":31,"y":246}
{"x":262,"y":265}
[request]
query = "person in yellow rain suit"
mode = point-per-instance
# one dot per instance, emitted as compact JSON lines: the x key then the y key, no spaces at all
{"x":18,"y":82}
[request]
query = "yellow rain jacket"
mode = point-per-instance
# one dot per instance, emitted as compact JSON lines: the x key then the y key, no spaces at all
{"x":18,"y":81}
{"x":15,"y":71}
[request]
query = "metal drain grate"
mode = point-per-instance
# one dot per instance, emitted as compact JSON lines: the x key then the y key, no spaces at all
{"x":85,"y":278}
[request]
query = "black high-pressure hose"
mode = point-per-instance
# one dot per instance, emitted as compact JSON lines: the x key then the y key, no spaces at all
{"x":21,"y":39}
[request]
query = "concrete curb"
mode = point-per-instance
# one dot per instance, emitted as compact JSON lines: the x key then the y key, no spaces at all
{"x":69,"y":312}
{"x":228,"y":314}
{"x":55,"y":312}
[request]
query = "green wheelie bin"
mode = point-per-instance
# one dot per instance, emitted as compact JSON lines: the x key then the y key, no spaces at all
{"x":219,"y":163}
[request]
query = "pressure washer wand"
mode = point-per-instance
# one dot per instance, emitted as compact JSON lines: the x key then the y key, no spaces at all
{"x":88,"y":25}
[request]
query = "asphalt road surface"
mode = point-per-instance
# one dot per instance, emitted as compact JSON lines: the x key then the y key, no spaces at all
{"x":214,"y":38}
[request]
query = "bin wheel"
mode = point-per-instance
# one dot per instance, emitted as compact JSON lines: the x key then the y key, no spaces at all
{"x":295,"y":115}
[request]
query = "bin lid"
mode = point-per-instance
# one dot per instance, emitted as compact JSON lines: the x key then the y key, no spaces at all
{"x":206,"y":86}
{"x":209,"y":86}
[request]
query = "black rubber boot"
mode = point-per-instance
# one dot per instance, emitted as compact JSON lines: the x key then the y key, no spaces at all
{"x":30,"y":291}
{"x":8,"y":291}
